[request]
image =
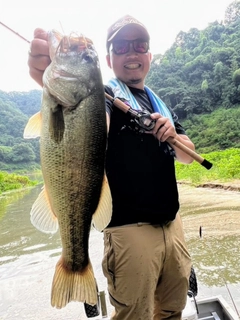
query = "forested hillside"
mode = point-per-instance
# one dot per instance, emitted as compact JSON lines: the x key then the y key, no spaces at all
{"x":199,"y":78}
{"x":17,"y":153}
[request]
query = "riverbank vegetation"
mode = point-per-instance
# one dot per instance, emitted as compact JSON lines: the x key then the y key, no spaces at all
{"x":13,"y":181}
{"x":226,"y":168}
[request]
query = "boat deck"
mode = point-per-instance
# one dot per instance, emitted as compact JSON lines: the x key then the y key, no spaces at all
{"x":215,"y":308}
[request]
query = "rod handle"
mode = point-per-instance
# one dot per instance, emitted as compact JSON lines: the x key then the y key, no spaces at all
{"x":205,"y":163}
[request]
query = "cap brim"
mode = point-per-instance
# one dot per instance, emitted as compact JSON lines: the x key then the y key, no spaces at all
{"x":127,"y":26}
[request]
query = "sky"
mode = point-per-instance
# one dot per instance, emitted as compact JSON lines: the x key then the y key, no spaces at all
{"x":164,"y":19}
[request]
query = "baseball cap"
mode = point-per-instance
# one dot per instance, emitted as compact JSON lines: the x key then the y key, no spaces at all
{"x":125,"y":22}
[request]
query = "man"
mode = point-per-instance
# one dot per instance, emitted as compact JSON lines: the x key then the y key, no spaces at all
{"x":146,"y":262}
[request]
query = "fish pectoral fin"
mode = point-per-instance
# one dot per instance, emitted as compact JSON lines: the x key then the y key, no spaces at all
{"x":103,"y":213}
{"x":70,"y":285}
{"x":33,"y":127}
{"x":42,"y":216}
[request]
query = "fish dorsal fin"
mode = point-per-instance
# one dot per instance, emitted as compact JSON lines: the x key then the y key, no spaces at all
{"x":103,"y":213}
{"x":42,"y":216}
{"x":33,"y":127}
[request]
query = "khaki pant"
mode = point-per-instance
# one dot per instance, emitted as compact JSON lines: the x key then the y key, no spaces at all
{"x":147,"y":268}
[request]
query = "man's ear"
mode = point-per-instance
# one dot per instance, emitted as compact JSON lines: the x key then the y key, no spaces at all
{"x":150,"y":56}
{"x":108,"y":61}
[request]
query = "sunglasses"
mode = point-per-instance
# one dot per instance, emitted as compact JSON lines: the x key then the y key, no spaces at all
{"x":123,"y":46}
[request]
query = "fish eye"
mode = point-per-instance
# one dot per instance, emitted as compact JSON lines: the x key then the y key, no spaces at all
{"x":87,"y":56}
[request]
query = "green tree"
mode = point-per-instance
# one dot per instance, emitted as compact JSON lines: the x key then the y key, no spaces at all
{"x":204,"y":85}
{"x":22,"y":153}
{"x":232,"y":13}
{"x":236,"y":77}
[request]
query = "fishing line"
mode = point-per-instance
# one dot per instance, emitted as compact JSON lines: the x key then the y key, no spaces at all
{"x":61,"y":27}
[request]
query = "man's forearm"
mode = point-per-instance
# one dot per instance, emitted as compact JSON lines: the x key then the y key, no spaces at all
{"x":182,"y":156}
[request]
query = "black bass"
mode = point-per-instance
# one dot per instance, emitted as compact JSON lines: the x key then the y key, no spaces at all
{"x":73,"y":131}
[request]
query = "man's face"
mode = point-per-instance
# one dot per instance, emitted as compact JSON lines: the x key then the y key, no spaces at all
{"x":131,"y":67}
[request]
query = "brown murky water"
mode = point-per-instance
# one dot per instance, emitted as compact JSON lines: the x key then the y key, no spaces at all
{"x":28,"y":257}
{"x":212,"y":227}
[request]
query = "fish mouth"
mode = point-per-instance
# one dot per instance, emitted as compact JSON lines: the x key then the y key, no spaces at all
{"x":132,"y":66}
{"x":74,"y":43}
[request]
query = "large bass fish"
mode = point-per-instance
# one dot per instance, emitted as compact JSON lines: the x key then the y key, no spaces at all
{"x":73,"y":135}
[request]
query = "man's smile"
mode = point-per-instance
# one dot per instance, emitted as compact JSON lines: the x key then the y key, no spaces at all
{"x":132,"y":66}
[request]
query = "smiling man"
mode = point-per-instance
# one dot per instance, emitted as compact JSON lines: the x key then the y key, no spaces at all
{"x":145,"y":261}
{"x":126,"y":39}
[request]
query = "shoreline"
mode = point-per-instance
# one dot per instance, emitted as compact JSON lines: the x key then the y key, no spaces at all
{"x":231,"y":185}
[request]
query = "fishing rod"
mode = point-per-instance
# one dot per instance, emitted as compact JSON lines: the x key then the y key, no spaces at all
{"x":17,"y":34}
{"x":143,"y":119}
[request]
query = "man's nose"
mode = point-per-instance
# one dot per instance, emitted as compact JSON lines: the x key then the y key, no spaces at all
{"x":131,"y":49}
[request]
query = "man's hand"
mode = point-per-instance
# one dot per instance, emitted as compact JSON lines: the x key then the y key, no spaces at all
{"x":163,"y":128}
{"x":38,"y":58}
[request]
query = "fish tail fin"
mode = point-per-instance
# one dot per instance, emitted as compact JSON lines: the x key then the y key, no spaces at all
{"x":71,"y":285}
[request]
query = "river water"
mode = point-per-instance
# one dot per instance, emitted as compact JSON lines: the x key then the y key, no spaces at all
{"x":28,"y":257}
